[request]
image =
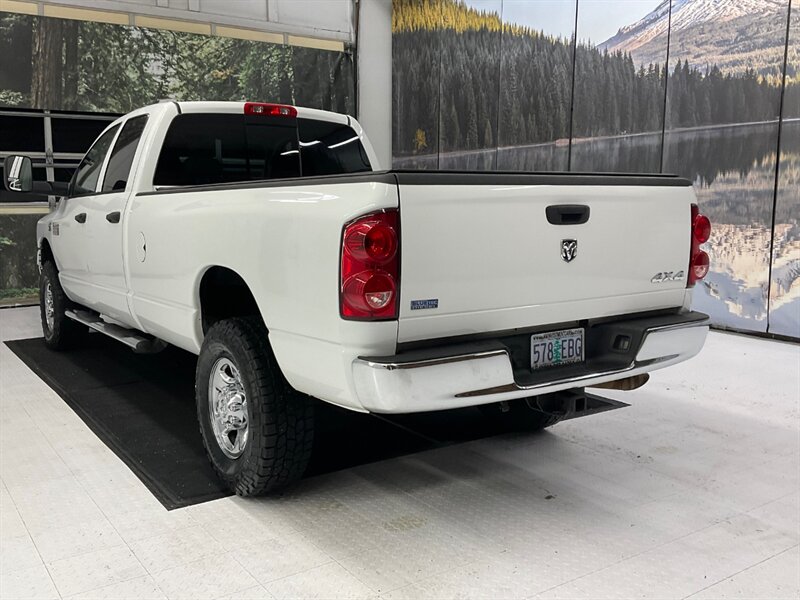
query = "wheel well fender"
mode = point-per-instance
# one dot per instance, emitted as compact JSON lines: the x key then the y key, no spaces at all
{"x":45,"y":252}
{"x":222,"y":293}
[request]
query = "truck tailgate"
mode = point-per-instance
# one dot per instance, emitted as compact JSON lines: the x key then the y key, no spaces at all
{"x":479,"y":253}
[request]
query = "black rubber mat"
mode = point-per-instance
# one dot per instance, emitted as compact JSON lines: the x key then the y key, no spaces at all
{"x":142,"y":407}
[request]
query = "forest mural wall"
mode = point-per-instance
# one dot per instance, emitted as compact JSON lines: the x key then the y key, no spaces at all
{"x":707,"y":89}
{"x":69,"y":65}
{"x":785,"y":267}
{"x":61,"y":64}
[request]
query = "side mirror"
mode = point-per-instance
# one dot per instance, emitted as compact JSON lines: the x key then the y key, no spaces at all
{"x":18,"y":173}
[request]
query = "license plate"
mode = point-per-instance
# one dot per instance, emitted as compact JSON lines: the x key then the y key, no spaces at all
{"x":556,"y":348}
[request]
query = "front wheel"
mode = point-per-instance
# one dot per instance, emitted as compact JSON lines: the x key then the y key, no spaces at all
{"x":59,"y":330}
{"x":257,"y":430}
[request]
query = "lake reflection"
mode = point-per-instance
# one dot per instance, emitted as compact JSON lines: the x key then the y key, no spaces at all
{"x":621,"y":154}
{"x":784,"y":307}
{"x":733,"y":171}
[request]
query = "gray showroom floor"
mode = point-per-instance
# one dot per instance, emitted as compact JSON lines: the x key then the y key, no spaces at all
{"x":693,"y":491}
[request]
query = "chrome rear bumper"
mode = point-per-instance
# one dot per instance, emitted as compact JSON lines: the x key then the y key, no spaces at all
{"x":442,"y":380}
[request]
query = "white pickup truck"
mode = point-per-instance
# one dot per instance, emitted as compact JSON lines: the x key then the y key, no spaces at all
{"x":263,"y":238}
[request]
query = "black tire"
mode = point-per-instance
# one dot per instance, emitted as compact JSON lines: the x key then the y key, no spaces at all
{"x":525,"y":414}
{"x":280,"y":420}
{"x":62,"y":332}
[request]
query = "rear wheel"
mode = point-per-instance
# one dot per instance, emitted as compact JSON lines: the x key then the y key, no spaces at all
{"x":60,"y":332}
{"x":526,"y":414}
{"x":257,"y":430}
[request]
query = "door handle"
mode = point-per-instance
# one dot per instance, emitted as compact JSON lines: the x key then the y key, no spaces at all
{"x":80,"y":217}
{"x":567,"y":214}
{"x":113,"y":217}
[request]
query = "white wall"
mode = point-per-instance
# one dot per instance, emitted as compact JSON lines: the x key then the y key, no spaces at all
{"x":375,"y":75}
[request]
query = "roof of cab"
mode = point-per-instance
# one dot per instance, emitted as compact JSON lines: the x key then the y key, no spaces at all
{"x":238,"y":108}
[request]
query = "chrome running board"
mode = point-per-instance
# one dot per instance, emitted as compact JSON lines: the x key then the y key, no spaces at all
{"x":140,"y":343}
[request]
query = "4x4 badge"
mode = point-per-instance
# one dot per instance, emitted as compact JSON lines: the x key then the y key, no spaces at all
{"x":668,"y":276}
{"x":569,"y":250}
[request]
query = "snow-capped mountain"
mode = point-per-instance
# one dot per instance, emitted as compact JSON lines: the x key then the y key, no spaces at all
{"x":686,"y":14}
{"x":642,"y":31}
{"x":711,"y":29}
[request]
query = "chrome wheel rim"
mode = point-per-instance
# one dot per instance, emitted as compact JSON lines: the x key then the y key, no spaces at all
{"x":49,"y":306}
{"x":227,"y":407}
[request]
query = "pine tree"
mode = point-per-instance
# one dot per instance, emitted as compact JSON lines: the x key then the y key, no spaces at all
{"x":450,"y":63}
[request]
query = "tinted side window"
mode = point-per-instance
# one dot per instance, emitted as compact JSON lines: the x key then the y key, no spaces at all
{"x":330,"y":149}
{"x":119,"y":165}
{"x":204,"y":148}
{"x":88,"y":172}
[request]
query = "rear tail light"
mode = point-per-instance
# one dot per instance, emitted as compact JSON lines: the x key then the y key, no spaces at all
{"x":269,"y":110}
{"x":698,"y":259}
{"x":370,"y":267}
{"x":701,"y":228}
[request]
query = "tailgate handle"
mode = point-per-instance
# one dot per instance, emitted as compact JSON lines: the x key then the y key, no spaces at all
{"x":567,"y":214}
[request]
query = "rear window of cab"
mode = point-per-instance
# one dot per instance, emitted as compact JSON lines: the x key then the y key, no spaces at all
{"x":202,"y":149}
